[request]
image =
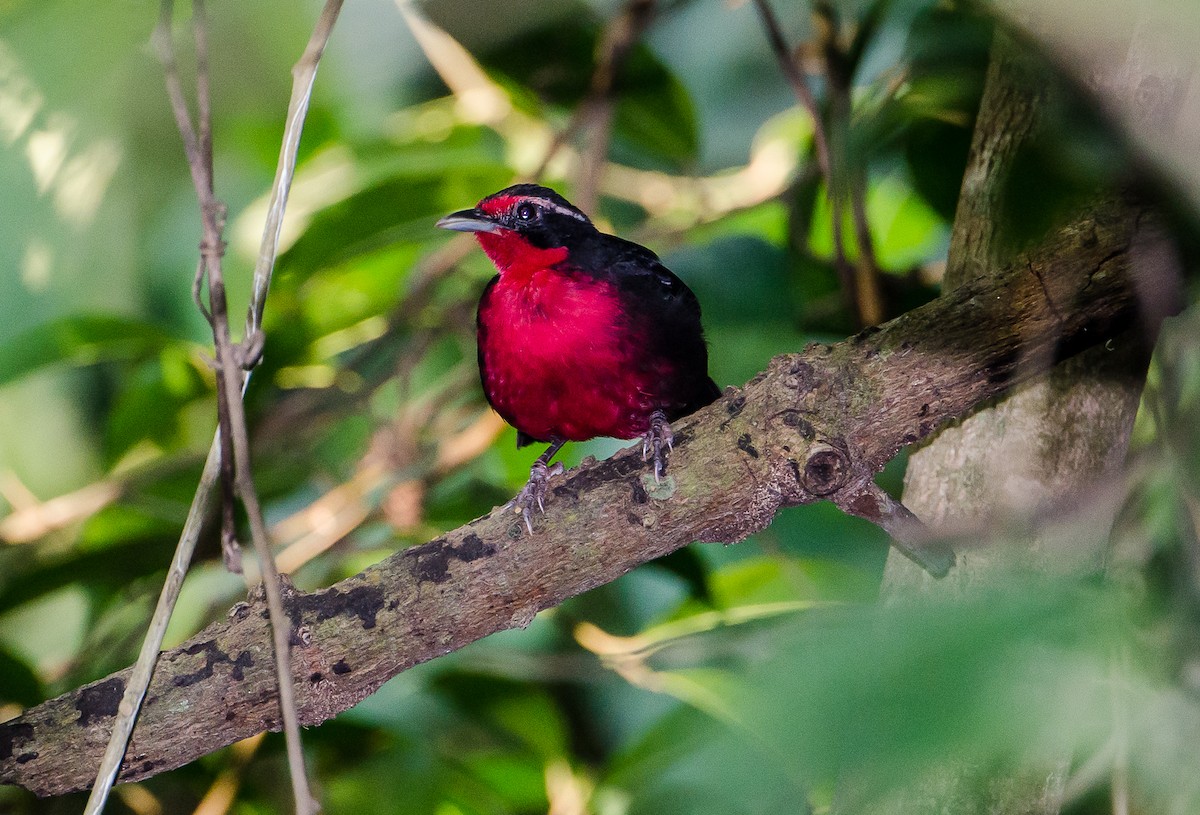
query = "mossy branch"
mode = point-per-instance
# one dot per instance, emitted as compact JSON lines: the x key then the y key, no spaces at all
{"x":816,"y":425}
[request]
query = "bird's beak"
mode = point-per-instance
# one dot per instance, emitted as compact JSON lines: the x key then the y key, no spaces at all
{"x":469,"y":220}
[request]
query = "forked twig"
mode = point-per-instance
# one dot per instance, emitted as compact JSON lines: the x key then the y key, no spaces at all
{"x":304,"y":74}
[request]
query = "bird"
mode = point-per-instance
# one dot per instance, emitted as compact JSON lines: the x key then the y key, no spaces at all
{"x":581,"y":334}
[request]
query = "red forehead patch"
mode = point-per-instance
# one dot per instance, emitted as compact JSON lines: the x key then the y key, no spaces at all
{"x":498,"y":206}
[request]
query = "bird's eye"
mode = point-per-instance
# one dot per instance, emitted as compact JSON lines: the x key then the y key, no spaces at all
{"x":526,"y":212}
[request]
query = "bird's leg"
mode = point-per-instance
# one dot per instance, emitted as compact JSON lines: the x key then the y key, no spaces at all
{"x":535,"y":489}
{"x":656,"y":442}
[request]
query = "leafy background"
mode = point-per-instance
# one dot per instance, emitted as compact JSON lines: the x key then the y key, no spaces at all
{"x":746,"y":678}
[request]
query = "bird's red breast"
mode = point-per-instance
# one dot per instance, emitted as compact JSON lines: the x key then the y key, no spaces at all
{"x":558,"y":356}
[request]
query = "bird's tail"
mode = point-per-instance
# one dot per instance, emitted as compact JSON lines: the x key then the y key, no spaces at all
{"x":707,"y":395}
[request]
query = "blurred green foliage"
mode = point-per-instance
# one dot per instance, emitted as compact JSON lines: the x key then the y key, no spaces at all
{"x":747,"y":678}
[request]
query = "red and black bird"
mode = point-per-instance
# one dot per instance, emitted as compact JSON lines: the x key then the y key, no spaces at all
{"x":581,"y":334}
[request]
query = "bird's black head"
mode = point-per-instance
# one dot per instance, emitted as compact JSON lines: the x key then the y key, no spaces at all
{"x":539,"y":215}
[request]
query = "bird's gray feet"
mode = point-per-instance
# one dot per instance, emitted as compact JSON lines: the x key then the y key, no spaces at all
{"x":535,"y":490}
{"x":657,"y":441}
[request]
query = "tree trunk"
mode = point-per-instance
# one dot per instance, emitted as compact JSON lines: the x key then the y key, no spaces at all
{"x":1046,"y":451}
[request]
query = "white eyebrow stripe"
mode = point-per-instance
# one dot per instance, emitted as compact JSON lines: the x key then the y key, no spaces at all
{"x":550,"y":205}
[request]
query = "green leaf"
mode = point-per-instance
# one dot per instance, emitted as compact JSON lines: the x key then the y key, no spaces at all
{"x":654,"y":116}
{"x":18,"y":682}
{"x":83,"y":339}
{"x":654,"y":120}
{"x":152,"y":404}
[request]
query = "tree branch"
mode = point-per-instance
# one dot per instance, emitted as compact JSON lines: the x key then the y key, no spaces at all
{"x":735,"y":464}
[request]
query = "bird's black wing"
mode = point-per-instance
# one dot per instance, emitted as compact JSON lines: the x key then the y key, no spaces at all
{"x":639,"y":271}
{"x":666,"y":303}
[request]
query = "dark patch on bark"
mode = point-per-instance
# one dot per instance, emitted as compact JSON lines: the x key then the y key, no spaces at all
{"x":614,"y":469}
{"x":565,"y":491}
{"x":341,"y":668}
{"x":1001,"y":370}
{"x":865,"y":334}
{"x":315,"y":677}
{"x":243,"y":661}
{"x":362,"y":601}
{"x":795,"y":465}
{"x":795,"y":419}
{"x":100,"y":701}
{"x":745,"y":446}
{"x":802,"y":370}
{"x":735,"y":403}
{"x":432,"y":560}
{"x":11,"y":734}
{"x":25,"y":758}
{"x":640,"y":496}
{"x":473,"y":548}
{"x":633,"y":519}
{"x":212,"y":657}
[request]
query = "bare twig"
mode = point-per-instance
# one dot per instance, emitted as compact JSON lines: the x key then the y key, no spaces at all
{"x":203,"y":182}
{"x":849,"y":172}
{"x":231,"y":359}
{"x":910,"y":537}
{"x":799,"y":83}
{"x":594,"y":112}
{"x":139,"y":679}
{"x":303,"y":76}
{"x":597,"y":109}
{"x":859,"y":283}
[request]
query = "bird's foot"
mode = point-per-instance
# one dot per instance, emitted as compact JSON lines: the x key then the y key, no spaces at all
{"x":535,"y":491}
{"x":657,"y":441}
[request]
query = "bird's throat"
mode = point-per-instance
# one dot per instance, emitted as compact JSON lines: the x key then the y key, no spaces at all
{"x":515,"y":258}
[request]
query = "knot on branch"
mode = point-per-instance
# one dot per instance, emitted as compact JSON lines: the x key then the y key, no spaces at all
{"x":212,"y":249}
{"x":827,"y":469}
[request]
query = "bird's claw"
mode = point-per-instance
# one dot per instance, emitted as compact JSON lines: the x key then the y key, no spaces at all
{"x":658,"y":436}
{"x":535,"y":491}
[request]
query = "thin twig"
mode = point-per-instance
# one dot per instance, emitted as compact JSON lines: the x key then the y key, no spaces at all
{"x":799,"y":83}
{"x":840,"y":64}
{"x":232,"y":418}
{"x":594,"y":112}
{"x":139,"y":680}
{"x":597,"y":109}
{"x":202,"y":180}
{"x":304,"y":74}
{"x":303,"y":77}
